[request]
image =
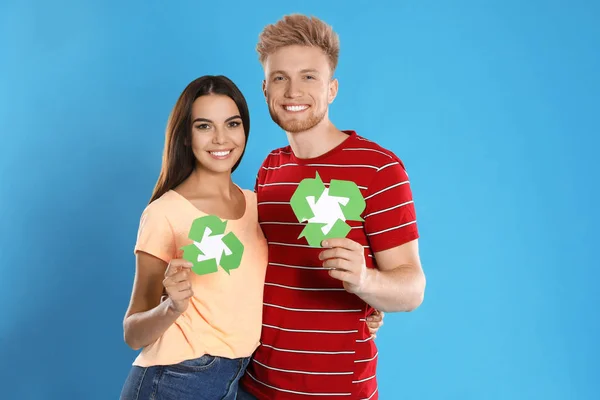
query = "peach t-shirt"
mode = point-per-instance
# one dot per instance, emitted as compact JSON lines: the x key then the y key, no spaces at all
{"x":225,"y":314}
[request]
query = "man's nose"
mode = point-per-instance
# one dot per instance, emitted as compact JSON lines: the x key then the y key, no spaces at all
{"x":293,"y":89}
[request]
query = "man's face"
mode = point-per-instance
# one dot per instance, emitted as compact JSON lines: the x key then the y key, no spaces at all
{"x":298,"y":87}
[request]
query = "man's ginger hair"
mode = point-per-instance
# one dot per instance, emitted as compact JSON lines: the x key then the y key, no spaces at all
{"x":297,"y":29}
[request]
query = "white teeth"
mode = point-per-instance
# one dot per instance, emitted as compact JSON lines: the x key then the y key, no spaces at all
{"x":220,"y":153}
{"x":296,"y":108}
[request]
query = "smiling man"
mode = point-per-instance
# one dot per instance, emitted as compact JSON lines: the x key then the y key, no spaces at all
{"x":315,"y":341}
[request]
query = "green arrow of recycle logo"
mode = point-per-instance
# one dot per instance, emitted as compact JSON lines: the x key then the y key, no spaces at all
{"x":211,"y":247}
{"x":326,"y":209}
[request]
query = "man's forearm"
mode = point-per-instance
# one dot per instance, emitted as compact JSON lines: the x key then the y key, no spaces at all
{"x":400,"y":289}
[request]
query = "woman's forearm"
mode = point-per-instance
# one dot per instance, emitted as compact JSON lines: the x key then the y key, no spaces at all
{"x":144,"y":328}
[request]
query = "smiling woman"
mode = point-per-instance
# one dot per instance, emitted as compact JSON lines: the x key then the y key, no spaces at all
{"x":194,"y":108}
{"x":200,"y":336}
{"x":217,"y":142}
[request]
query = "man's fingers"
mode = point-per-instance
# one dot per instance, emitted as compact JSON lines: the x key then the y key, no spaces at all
{"x":338,"y":263}
{"x":342,"y":275}
{"x":374,"y":322}
{"x":344,"y":243}
{"x":337,"y":252}
{"x":342,"y":249}
{"x":376,"y":316}
{"x":374,"y":325}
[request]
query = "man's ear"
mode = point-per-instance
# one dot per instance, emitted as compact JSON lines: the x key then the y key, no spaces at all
{"x":333,"y":90}
{"x":264,"y":88}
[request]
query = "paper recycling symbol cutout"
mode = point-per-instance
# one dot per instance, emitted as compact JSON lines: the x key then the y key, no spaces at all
{"x":326,"y":209}
{"x":211,"y":247}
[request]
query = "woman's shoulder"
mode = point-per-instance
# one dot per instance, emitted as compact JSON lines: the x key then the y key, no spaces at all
{"x":162,"y":205}
{"x":250,"y":194}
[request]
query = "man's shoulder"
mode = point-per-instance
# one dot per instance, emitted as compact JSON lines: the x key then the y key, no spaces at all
{"x":371,"y":152}
{"x":277,"y":156}
{"x":281,"y":150}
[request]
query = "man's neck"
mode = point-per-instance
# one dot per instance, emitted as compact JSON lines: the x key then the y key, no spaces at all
{"x":316,"y":141}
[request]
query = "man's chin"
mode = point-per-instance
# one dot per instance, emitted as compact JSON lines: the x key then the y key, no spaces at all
{"x":296,"y":126}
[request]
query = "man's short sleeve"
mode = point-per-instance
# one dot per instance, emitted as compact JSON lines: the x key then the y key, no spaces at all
{"x":390,"y":217}
{"x":155,"y":235}
{"x":260,"y":174}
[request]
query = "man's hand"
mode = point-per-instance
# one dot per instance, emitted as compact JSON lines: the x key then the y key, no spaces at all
{"x":374,"y":322}
{"x":346,"y":258}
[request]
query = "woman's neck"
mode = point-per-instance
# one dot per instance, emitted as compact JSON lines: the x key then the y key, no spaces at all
{"x":203,"y":183}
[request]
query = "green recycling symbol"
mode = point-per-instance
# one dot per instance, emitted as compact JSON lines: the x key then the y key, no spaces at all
{"x":211,"y":247}
{"x":326,"y":209}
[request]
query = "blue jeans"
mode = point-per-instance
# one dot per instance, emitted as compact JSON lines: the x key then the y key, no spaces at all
{"x":204,"y":378}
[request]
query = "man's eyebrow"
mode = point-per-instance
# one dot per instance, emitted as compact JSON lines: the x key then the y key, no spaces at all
{"x":277,"y":72}
{"x":303,"y":71}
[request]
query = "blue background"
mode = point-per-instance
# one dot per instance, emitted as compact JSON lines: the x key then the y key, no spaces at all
{"x":489,"y":104}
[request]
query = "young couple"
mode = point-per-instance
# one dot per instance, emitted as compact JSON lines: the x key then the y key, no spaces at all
{"x":293,"y":321}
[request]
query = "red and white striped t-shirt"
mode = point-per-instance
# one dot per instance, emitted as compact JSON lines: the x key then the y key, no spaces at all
{"x":315,"y":341}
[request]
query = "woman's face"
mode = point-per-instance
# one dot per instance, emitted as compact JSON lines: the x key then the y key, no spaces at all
{"x":218,"y":137}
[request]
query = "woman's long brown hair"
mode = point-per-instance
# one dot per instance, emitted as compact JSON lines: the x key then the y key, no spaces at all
{"x":178,"y":160}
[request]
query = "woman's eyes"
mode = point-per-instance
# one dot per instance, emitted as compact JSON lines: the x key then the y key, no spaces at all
{"x":231,"y":124}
